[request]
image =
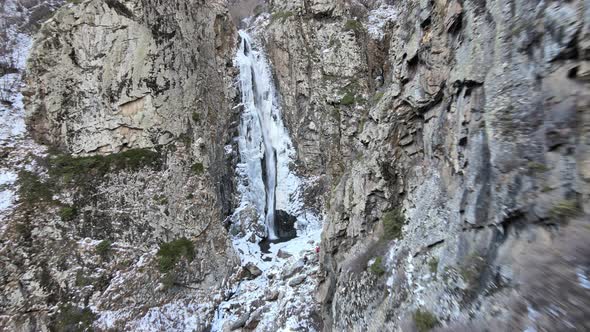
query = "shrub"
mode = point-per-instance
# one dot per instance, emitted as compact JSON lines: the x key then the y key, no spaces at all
{"x":565,"y":209}
{"x":198,"y":168}
{"x":472,"y":269}
{"x":68,"y":213}
{"x":161,"y":199}
{"x":353,"y":25}
{"x":72,"y":318}
{"x":537,"y":167}
{"x":168,"y":280}
{"x":348,"y":99}
{"x":82,"y":280}
{"x":32,"y":190}
{"x":282,"y":16}
{"x":171,"y":252}
{"x":103,"y":249}
{"x":82,"y":169}
{"x":393,"y":221}
{"x":377,"y":97}
{"x":377,"y":267}
{"x":425,"y":320}
{"x":433,"y":265}
{"x":196,"y":116}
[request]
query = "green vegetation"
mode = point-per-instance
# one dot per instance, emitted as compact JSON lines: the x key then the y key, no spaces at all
{"x":161,"y":199}
{"x":565,"y":209}
{"x":425,"y":320}
{"x":32,"y":190}
{"x":537,"y":167}
{"x":168,"y":280}
{"x":433,"y":265}
{"x":198,"y":168}
{"x":393,"y":221}
{"x":103,"y":249}
{"x":377,"y":267}
{"x":84,"y":168}
{"x":472,"y":269}
{"x":196,"y":116}
{"x":68,"y":213}
{"x":282,"y":16}
{"x":23,"y":230}
{"x":82,"y":280}
{"x":171,"y":252}
{"x":75,"y":2}
{"x":546,"y":189}
{"x":377,"y":97}
{"x":353,"y":25}
{"x":348,"y":99}
{"x":73,"y":319}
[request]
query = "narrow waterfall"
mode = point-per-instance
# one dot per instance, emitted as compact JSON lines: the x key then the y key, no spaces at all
{"x":261,"y":132}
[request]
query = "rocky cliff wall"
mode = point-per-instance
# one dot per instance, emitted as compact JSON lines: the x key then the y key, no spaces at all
{"x":452,"y":139}
{"x":446,"y":143}
{"x":135,"y":100}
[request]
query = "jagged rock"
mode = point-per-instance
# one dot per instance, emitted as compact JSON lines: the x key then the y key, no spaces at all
{"x":283,"y":254}
{"x":272,"y":295}
{"x":254,"y":319}
{"x":240,"y":322}
{"x":252,"y":271}
{"x":298,"y":280}
{"x":293,"y":269}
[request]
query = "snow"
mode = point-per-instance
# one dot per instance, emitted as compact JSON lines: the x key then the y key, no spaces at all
{"x":7,"y":179}
{"x":12,"y":114}
{"x":582,"y":278}
{"x":263,"y":134}
{"x":378,"y":19}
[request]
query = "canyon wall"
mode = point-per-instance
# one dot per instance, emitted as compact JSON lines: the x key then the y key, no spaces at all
{"x":445,"y":143}
{"x":452,"y":137}
{"x":134,"y":99}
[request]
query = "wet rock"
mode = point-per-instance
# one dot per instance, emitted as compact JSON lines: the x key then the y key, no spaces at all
{"x":285,"y":225}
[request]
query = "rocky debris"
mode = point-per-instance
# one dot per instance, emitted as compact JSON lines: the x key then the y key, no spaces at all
{"x":251,"y":271}
{"x":282,"y":254}
{"x":296,"y":281}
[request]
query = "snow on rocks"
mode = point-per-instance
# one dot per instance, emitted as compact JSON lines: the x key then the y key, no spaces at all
{"x":378,"y":19}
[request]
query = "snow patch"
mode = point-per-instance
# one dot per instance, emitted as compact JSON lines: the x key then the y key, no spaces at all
{"x":378,"y":19}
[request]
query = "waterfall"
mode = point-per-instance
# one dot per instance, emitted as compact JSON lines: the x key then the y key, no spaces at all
{"x":267,"y":184}
{"x":262,"y":134}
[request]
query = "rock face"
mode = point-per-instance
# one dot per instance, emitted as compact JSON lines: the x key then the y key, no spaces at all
{"x":137,"y":96}
{"x":451,"y":133}
{"x":447,"y":143}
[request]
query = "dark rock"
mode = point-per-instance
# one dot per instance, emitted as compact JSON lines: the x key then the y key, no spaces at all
{"x":285,"y":225}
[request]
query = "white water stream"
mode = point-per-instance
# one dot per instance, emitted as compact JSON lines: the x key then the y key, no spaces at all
{"x":267,"y":184}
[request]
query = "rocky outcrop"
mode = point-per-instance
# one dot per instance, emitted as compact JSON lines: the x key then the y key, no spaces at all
{"x":450,"y":132}
{"x":135,"y":98}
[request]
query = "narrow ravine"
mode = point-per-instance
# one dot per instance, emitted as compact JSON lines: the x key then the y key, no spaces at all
{"x":274,"y":234}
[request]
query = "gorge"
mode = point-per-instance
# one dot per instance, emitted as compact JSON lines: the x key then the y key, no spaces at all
{"x":294,"y":165}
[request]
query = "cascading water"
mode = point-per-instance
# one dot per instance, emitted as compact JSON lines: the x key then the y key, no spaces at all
{"x":262,"y":135}
{"x":269,"y":187}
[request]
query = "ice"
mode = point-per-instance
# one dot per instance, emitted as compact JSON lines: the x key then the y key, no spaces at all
{"x":267,"y":183}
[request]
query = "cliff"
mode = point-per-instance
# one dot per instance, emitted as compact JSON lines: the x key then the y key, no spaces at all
{"x":442,"y":147}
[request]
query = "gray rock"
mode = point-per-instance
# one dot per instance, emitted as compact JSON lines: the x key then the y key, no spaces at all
{"x":298,"y":280}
